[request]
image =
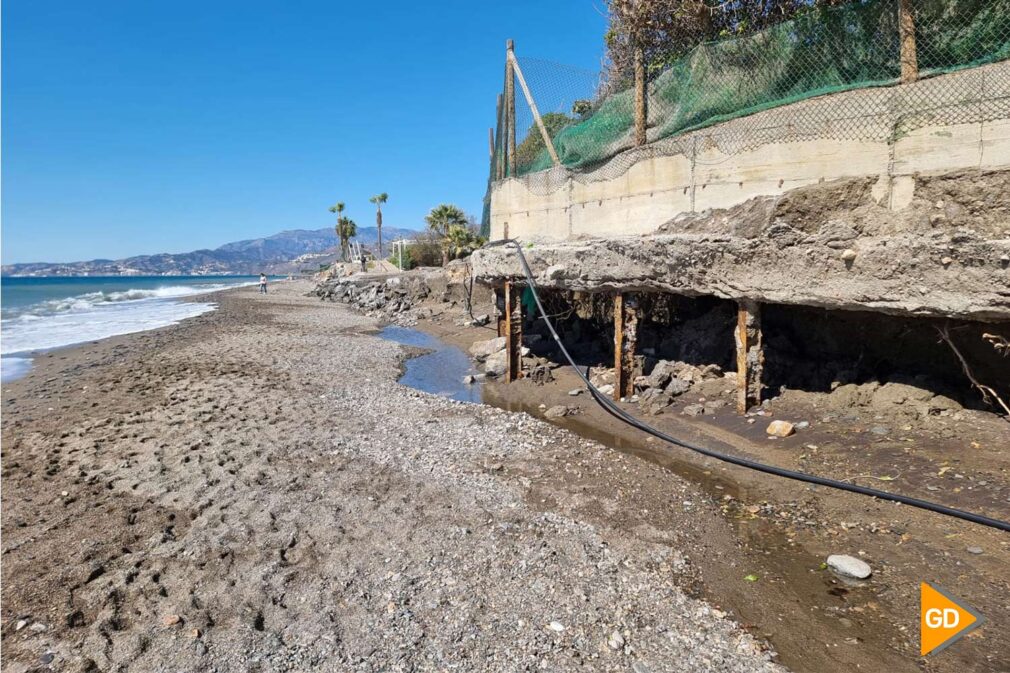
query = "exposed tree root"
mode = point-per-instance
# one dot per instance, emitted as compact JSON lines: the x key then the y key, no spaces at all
{"x":988,"y":394}
{"x":998,"y":342}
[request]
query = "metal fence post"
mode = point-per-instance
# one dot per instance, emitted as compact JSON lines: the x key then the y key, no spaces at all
{"x":510,"y":107}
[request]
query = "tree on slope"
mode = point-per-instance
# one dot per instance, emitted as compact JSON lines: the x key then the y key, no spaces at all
{"x":667,"y":29}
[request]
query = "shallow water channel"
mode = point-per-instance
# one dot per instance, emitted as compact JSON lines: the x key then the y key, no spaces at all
{"x":439,"y":371}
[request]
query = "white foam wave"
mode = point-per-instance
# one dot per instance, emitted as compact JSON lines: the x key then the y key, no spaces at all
{"x":13,"y":368}
{"x":97,"y":322}
{"x":90,"y":300}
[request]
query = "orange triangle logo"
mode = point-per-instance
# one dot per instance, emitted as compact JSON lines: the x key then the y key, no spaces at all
{"x":942,"y":620}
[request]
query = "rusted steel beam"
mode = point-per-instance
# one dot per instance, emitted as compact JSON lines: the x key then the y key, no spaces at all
{"x":513,"y":333}
{"x":625,"y":344}
{"x":749,"y":355}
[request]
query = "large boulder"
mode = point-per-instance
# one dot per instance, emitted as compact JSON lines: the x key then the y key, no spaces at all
{"x":677,"y":387}
{"x":496,"y":364}
{"x":481,"y":350}
{"x":780,"y":428}
{"x":653,"y":401}
{"x":659,"y":376}
{"x":658,"y":403}
{"x":849,"y":566}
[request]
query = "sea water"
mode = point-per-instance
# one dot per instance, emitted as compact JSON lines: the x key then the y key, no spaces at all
{"x":38,"y":314}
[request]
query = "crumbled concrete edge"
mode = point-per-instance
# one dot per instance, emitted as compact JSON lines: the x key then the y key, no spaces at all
{"x":943,"y":274}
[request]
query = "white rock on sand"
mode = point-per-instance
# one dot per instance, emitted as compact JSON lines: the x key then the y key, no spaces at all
{"x":482,"y":349}
{"x":780,"y":429}
{"x":849,"y":566}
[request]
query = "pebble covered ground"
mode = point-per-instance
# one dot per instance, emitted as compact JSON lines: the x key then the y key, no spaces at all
{"x":252,"y":491}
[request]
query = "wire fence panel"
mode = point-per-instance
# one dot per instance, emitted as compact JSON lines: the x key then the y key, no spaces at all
{"x":852,"y":47}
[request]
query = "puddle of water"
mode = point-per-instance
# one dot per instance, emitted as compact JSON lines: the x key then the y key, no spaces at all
{"x":440,"y":371}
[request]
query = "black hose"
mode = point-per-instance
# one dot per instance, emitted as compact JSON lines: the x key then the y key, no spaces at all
{"x":615,"y":410}
{"x":468,"y":286}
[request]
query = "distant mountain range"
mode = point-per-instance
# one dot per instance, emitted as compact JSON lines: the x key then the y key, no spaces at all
{"x":287,"y":252}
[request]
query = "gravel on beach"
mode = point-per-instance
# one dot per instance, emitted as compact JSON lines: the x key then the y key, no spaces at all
{"x":252,"y":491}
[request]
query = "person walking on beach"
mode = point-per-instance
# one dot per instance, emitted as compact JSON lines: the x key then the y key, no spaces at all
{"x":263,"y":283}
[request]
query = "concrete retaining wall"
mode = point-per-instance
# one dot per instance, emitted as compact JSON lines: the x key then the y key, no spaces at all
{"x":657,"y":188}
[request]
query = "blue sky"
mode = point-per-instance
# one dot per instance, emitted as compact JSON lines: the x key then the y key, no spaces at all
{"x":137,"y":127}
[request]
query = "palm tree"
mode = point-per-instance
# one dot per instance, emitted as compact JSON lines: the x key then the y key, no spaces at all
{"x":440,"y":220}
{"x":346,"y":230}
{"x":339,"y":208}
{"x":378,"y":200}
{"x":461,"y":241}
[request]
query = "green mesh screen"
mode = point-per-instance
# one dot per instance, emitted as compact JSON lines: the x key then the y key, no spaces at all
{"x":855,"y":46}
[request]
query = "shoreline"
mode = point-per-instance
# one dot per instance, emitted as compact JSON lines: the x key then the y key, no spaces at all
{"x":30,"y":355}
{"x":149,"y":478}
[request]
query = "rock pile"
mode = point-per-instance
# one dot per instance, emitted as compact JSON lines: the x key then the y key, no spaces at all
{"x":491,"y":352}
{"x":402,"y":299}
{"x":405,"y":298}
{"x":669,"y":380}
{"x":388,"y":298}
{"x":906,"y":399}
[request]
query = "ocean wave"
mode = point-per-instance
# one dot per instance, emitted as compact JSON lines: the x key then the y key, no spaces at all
{"x":98,"y":322}
{"x":90,"y":300}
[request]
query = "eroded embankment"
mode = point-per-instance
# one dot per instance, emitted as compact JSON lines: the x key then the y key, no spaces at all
{"x":827,"y":246}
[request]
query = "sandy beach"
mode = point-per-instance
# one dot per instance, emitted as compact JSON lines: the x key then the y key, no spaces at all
{"x":252,"y":490}
{"x":704,"y":367}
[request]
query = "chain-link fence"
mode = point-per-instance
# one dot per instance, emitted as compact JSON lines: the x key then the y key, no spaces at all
{"x":857,"y":46}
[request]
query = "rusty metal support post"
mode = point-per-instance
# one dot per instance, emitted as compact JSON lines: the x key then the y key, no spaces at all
{"x":641,"y":98}
{"x":749,"y":355}
{"x":510,"y":109}
{"x":625,"y":344}
{"x":513,"y":333}
{"x":906,"y":30}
